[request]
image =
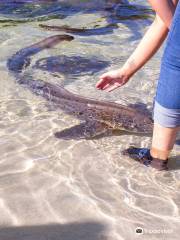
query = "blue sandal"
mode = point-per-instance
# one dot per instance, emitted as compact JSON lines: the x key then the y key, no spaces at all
{"x":143,"y":156}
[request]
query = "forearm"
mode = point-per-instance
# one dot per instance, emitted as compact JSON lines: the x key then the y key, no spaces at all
{"x":165,"y":9}
{"x":147,"y":47}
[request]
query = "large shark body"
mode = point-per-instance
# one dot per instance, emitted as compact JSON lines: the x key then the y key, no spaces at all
{"x":97,"y":116}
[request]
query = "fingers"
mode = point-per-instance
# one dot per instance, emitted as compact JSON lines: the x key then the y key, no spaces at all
{"x":113,"y":87}
{"x":103,"y":82}
{"x":110,"y":86}
{"x":111,"y":80}
{"x":107,"y":85}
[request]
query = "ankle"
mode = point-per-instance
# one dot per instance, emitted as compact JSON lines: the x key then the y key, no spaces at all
{"x":159,"y":154}
{"x":144,"y":156}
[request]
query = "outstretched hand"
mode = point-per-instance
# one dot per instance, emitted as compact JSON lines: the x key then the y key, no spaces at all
{"x":111,"y":80}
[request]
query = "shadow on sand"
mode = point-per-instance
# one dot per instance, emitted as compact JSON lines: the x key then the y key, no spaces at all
{"x":67,"y":65}
{"x":71,"y":231}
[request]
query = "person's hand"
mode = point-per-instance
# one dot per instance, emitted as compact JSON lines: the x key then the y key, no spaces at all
{"x":113,"y":79}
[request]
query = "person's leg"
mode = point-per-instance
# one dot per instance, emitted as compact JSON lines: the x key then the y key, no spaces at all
{"x":167,"y":124}
{"x":167,"y":100}
{"x":167,"y":105}
{"x":163,"y":141}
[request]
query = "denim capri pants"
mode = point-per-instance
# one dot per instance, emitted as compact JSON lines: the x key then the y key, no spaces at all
{"x":167,"y":100}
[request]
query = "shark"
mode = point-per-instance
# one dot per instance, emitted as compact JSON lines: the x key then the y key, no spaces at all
{"x":96,"y":116}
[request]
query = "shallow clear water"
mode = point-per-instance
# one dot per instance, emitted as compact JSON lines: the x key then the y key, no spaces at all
{"x":52,"y":188}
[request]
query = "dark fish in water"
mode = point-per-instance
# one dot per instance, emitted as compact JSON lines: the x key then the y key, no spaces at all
{"x":21,"y":59}
{"x":81,"y":31}
{"x":99,"y":116}
{"x":63,"y":28}
{"x":114,"y":115}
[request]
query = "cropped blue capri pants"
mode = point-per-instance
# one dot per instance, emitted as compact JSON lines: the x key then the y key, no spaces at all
{"x":167,"y":100}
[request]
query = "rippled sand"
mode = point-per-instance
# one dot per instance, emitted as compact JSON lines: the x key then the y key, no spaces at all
{"x":79,"y":189}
